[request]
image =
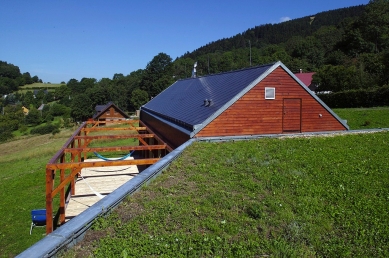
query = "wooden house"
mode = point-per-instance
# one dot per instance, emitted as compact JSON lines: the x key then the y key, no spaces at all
{"x":109,"y":112}
{"x":267,"y":99}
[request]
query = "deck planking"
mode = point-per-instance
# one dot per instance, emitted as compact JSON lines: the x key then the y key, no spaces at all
{"x":103,"y":180}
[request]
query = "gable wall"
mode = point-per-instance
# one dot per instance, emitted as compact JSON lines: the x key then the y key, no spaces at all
{"x":111,"y":113}
{"x":253,"y":114}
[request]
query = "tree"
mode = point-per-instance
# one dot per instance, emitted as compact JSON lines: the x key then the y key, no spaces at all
{"x":34,"y":117}
{"x":158,"y":67}
{"x":27,"y":78}
{"x":29,"y":99}
{"x":81,"y":107}
{"x":138,"y":98}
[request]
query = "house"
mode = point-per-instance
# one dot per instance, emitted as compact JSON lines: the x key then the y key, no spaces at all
{"x":41,"y":107}
{"x":25,"y":110}
{"x":306,"y":78}
{"x":267,"y":99}
{"x":109,"y":112}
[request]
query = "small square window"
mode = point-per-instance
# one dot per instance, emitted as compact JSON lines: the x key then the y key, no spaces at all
{"x":270,"y":93}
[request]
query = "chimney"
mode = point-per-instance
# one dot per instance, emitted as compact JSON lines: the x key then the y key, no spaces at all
{"x":301,"y":70}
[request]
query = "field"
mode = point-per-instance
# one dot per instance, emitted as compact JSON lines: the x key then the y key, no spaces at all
{"x":22,"y":188}
{"x":231,"y":171}
{"x":38,"y":86}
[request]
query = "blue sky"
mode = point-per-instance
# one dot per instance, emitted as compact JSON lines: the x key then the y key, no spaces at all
{"x":60,"y":40}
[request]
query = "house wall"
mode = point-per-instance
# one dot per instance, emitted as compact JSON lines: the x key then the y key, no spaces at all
{"x":111,"y":114}
{"x":253,"y":114}
{"x":170,"y":135}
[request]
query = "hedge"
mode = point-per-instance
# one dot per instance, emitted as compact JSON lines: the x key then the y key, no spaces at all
{"x":372,"y":97}
{"x":45,"y":129}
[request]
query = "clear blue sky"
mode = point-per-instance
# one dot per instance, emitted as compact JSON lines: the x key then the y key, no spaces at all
{"x":58,"y":40}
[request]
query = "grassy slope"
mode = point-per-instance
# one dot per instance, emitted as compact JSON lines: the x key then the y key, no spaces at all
{"x":22,"y":188}
{"x":34,"y":86}
{"x":295,"y":197}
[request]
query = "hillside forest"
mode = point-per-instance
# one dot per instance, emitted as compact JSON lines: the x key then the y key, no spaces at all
{"x":348,"y":49}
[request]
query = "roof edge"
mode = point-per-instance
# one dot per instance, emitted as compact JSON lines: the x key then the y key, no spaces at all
{"x":342,"y":121}
{"x":166,"y":121}
{"x":199,"y":127}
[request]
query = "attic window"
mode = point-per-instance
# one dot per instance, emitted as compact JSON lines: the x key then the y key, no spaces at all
{"x":270,"y":93}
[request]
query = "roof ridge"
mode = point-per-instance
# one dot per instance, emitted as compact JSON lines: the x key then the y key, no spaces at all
{"x":232,"y":71}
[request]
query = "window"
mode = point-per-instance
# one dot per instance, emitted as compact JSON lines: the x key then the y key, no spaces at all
{"x":270,"y":93}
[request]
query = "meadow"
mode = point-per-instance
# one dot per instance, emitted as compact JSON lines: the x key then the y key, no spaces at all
{"x":39,"y":86}
{"x":226,"y":171}
{"x":22,"y":188}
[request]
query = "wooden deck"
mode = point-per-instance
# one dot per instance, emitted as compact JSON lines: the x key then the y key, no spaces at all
{"x":100,"y":180}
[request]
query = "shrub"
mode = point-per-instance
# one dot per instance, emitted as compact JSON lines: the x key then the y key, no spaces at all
{"x":45,"y":129}
{"x":371,"y":97}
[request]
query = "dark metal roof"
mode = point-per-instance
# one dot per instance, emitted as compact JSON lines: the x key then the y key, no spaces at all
{"x":184,"y":102}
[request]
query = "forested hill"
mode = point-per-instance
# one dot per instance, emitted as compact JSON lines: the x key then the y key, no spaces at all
{"x":11,"y":78}
{"x":348,"y":49}
{"x":263,"y":35}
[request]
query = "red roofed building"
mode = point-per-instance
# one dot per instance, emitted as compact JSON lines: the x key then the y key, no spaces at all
{"x":306,"y":78}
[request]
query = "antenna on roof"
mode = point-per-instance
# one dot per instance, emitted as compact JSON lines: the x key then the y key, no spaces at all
{"x":194,"y":70}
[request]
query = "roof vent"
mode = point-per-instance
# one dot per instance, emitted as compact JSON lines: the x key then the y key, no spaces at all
{"x":205,"y":102}
{"x":209,"y":102}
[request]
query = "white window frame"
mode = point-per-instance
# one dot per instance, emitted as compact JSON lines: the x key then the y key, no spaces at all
{"x":270,"y":93}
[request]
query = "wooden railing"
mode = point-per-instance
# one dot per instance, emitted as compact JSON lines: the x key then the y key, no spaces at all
{"x":69,"y":159}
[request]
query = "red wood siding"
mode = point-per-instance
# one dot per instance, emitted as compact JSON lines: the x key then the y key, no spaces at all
{"x":291,"y":121}
{"x":253,"y":114}
{"x":110,"y":113}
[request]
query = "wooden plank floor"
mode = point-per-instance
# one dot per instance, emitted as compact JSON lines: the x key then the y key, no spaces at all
{"x":102,"y":180}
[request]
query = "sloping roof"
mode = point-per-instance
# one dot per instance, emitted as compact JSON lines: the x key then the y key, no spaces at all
{"x":183,"y":101}
{"x":182,"y":105}
{"x":40,"y":108}
{"x":306,"y":78}
{"x":100,"y":109}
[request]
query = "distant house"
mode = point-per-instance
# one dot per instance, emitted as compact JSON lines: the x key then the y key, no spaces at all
{"x":109,"y":112}
{"x":267,"y":99}
{"x":25,"y":110}
{"x":40,"y":108}
{"x":306,"y":78}
{"x":35,"y":92}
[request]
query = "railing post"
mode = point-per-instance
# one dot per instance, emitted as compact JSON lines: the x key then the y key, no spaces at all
{"x":62,"y":194}
{"x":49,"y":200}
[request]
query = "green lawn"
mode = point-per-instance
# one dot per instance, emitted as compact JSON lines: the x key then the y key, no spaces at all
{"x":365,"y":118}
{"x":23,"y":161}
{"x":292,"y":197}
{"x":22,"y":188}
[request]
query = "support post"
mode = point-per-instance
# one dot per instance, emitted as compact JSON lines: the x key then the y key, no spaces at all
{"x":62,"y":194}
{"x":49,"y":200}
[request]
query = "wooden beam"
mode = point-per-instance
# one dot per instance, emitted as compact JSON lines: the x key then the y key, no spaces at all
{"x":102,"y":163}
{"x":119,"y":148}
{"x":114,"y":136}
{"x":92,"y":129}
